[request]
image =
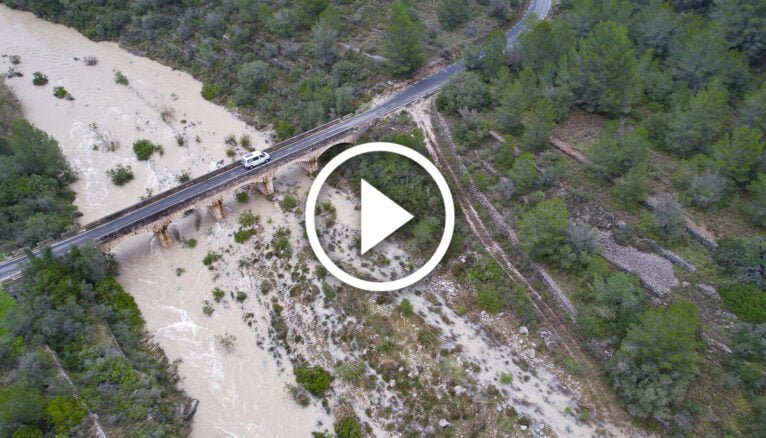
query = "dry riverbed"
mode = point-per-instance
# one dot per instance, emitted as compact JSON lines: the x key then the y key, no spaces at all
{"x":424,"y":372}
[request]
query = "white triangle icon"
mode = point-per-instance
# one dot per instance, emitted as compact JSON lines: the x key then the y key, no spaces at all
{"x":380,"y":216}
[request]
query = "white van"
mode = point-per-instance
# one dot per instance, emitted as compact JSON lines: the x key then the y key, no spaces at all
{"x":255,"y":158}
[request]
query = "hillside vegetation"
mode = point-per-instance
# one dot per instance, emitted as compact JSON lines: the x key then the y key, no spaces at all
{"x":71,"y":315}
{"x":657,"y":110}
{"x":296,"y":63}
{"x":35,"y":199}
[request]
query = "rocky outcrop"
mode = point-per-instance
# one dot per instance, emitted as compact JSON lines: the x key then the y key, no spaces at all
{"x":656,"y":272}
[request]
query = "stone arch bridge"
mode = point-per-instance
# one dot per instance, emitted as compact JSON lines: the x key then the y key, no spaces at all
{"x":212,"y":199}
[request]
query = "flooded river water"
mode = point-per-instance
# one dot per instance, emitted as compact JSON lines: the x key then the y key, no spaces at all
{"x":241,"y":393}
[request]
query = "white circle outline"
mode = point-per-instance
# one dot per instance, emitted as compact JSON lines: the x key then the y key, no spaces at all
{"x":376,"y":286}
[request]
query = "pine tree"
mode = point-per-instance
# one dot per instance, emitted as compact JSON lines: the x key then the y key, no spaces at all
{"x":653,"y":27}
{"x":756,"y":207}
{"x":696,"y":124}
{"x":619,"y":149}
{"x":744,"y":24}
{"x":657,"y":361}
{"x":513,"y":103}
{"x":737,"y":154}
{"x":699,"y":53}
{"x":605,"y":71}
{"x":325,"y":35}
{"x":453,"y":13}
{"x":538,"y":124}
{"x":543,"y":228}
{"x":630,"y":189}
{"x":752,"y":111}
{"x":494,"y":54}
{"x":546,"y":44}
{"x":403,"y":47}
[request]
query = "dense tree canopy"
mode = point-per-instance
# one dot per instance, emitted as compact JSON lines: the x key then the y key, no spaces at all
{"x":403,"y":45}
{"x":604,"y":70}
{"x":35,"y":200}
{"x":657,"y":361}
{"x":69,"y":304}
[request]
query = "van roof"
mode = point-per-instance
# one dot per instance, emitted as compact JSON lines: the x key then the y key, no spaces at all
{"x":253,"y":154}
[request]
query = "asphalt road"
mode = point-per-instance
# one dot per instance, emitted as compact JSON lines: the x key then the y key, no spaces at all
{"x":418,"y":90}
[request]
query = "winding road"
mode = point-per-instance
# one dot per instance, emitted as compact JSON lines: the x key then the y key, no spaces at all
{"x":166,"y":201}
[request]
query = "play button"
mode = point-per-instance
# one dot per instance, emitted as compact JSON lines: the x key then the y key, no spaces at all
{"x":380,"y":216}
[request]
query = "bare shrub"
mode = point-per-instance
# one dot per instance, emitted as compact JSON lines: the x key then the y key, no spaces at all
{"x":706,"y":189}
{"x":167,"y":113}
{"x":669,"y":216}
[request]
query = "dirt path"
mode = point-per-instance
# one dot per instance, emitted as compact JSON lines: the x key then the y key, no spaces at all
{"x":602,"y":397}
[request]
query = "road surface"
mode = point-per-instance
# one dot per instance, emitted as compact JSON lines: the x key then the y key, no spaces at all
{"x":418,"y":90}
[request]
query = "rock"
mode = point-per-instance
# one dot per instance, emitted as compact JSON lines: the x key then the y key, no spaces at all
{"x":188,"y":409}
{"x":621,"y":225}
{"x":443,"y":423}
{"x":524,"y":330}
{"x":709,"y":290}
{"x":656,"y":272}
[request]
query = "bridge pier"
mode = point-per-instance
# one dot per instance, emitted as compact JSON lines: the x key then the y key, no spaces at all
{"x":266,"y":185}
{"x":216,"y":207}
{"x":311,"y":166}
{"x":162,"y":234}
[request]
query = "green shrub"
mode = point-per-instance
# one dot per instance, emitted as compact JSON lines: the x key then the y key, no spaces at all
{"x":62,"y":93}
{"x":240,"y":296}
{"x":348,"y":427}
{"x":39,"y":79}
{"x":506,"y":378}
{"x":542,"y":229}
{"x":218,"y":294}
{"x":66,"y":413}
{"x":120,"y":175}
{"x":244,"y":235}
{"x":488,"y":299}
{"x":746,"y":301}
{"x":184,"y":176}
{"x":288,"y":202}
{"x":120,"y":78}
{"x":210,"y":91}
{"x":144,"y":149}
{"x":281,"y":243}
{"x":284,"y":129}
{"x":406,"y":308}
{"x":242,"y":197}
{"x":245,"y":141}
{"x":248,"y":219}
{"x":315,"y":380}
{"x":321,"y":272}
{"x":210,"y":258}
